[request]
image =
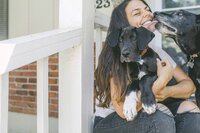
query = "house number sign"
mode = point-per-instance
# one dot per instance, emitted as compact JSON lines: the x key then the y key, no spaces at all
{"x":102,"y":4}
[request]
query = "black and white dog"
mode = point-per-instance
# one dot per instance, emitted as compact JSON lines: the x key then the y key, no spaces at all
{"x":184,"y":28}
{"x":141,"y":68}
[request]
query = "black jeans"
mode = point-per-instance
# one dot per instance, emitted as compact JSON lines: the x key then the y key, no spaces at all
{"x":188,"y":122}
{"x":158,"y":122}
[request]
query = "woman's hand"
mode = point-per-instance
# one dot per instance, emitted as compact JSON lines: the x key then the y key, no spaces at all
{"x":164,"y":70}
{"x":164,"y":73}
{"x":162,"y":94}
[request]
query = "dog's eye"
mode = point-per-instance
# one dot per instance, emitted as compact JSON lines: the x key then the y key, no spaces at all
{"x":133,"y":37}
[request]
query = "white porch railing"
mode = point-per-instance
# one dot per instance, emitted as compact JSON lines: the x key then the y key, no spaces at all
{"x":101,"y":25}
{"x":21,"y":51}
{"x":75,"y":63}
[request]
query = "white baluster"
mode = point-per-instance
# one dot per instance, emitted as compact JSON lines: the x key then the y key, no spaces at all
{"x":4,"y":89}
{"x":42,"y":96}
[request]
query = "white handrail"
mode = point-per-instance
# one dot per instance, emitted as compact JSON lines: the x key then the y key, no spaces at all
{"x":21,"y":51}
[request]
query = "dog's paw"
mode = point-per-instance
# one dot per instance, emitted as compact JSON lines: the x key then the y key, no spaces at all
{"x":150,"y":109}
{"x":129,"y":111}
{"x":129,"y":108}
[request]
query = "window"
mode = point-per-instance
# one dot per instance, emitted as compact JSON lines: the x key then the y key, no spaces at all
{"x":179,"y":3}
{"x":3,"y":19}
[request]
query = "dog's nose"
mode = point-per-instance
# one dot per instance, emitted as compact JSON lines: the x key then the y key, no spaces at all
{"x":155,"y":13}
{"x":126,"y":54}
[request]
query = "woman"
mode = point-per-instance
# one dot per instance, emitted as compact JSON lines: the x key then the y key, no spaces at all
{"x":111,"y":81}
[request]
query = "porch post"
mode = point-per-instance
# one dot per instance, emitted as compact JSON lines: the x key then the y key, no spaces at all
{"x":88,"y":15}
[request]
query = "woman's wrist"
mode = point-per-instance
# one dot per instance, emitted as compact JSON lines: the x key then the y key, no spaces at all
{"x":163,"y":81}
{"x":169,"y":91}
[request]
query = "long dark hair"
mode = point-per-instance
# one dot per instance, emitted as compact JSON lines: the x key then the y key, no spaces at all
{"x":109,"y":65}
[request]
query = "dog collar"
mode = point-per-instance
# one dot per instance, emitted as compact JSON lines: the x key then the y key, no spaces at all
{"x":190,"y":63}
{"x":196,"y":55}
{"x":143,"y":52}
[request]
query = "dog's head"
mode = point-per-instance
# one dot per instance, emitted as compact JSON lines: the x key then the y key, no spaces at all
{"x":131,"y":41}
{"x":181,"y":25}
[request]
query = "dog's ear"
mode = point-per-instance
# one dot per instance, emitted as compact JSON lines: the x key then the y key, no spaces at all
{"x":144,"y":36}
{"x":198,"y":19}
{"x":113,"y":38}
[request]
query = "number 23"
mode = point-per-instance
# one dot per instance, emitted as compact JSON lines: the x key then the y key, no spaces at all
{"x":100,"y":3}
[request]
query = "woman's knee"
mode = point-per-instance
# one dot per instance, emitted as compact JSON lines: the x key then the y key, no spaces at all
{"x":187,"y":106}
{"x":188,"y":118}
{"x":188,"y":122}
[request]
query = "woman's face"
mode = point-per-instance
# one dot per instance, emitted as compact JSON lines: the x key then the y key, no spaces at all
{"x":139,"y":14}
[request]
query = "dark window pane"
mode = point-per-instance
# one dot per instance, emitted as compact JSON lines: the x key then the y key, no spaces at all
{"x":179,"y":3}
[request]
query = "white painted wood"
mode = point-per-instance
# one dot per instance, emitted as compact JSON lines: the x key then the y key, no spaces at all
{"x":4,"y":89}
{"x":107,"y":10}
{"x":70,"y":91}
{"x":98,"y":44}
{"x":20,"y":51}
{"x":102,"y":19}
{"x":42,"y":96}
{"x":41,"y":15}
{"x":18,"y":18}
{"x":87,"y":69}
{"x":56,"y":13}
{"x":31,"y":16}
{"x":70,"y":13}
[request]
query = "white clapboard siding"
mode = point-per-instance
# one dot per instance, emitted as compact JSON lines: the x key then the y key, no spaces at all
{"x":31,"y":16}
{"x":42,"y":96}
{"x":4,"y":103}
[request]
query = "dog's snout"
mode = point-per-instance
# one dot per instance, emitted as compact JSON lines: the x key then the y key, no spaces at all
{"x":126,"y":53}
{"x":139,"y":58}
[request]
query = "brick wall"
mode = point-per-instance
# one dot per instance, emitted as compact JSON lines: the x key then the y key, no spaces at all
{"x":23,"y":93}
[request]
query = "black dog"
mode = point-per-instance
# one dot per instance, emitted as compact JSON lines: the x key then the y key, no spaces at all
{"x":184,"y":28}
{"x":142,"y":68}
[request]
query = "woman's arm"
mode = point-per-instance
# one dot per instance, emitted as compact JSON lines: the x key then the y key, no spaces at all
{"x":119,"y":105}
{"x":183,"y":89}
{"x":185,"y":86}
